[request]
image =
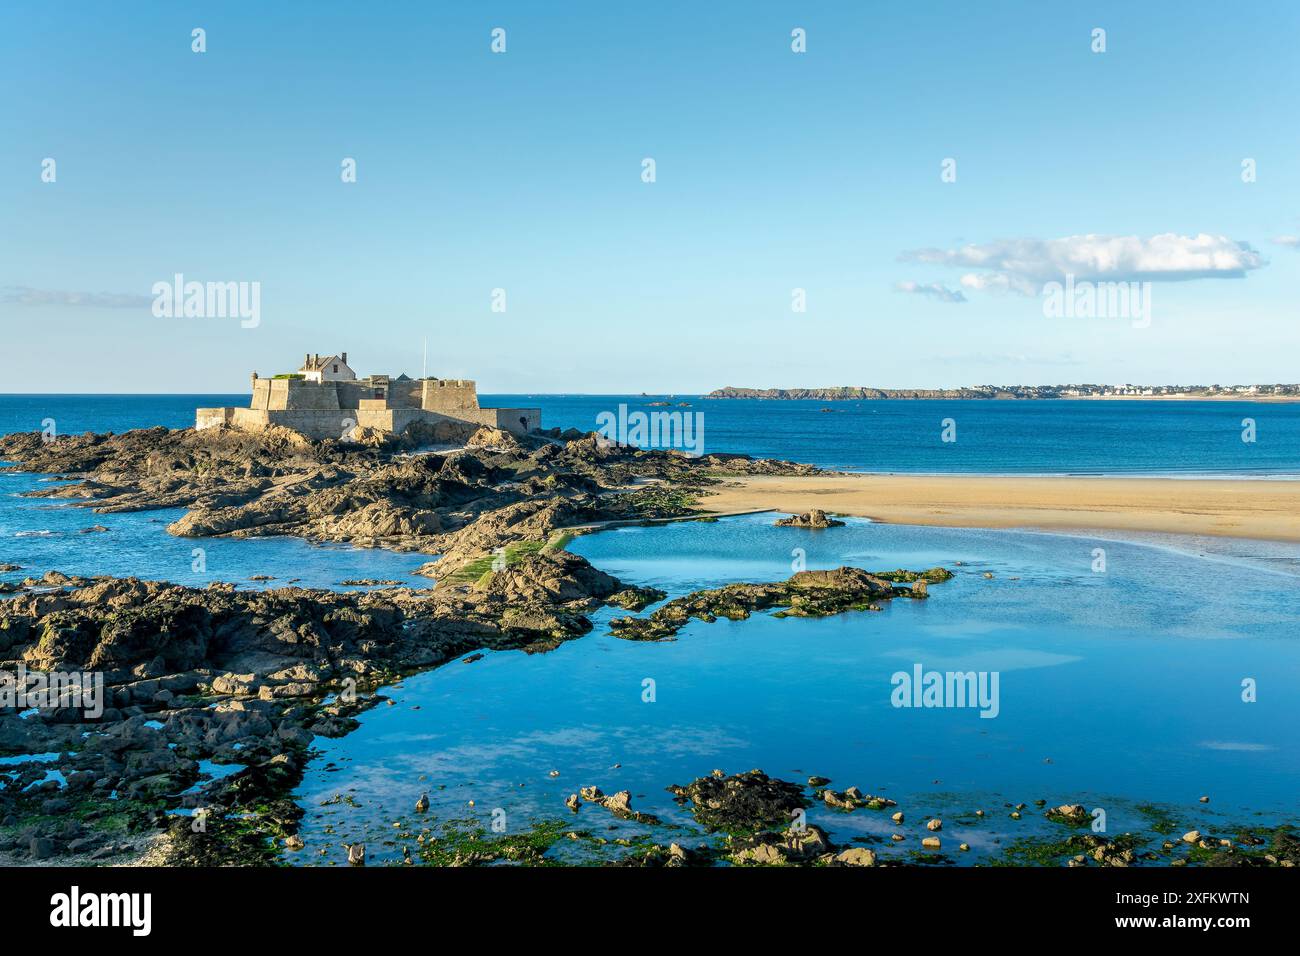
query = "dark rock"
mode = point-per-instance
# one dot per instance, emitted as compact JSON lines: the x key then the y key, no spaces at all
{"x":742,"y":802}
{"x":813,"y":519}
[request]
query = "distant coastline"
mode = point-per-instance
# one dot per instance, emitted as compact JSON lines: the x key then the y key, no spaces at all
{"x":1185,"y":393}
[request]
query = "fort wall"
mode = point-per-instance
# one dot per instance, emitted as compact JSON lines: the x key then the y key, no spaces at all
{"x":448,"y":395}
{"x":323,"y":410}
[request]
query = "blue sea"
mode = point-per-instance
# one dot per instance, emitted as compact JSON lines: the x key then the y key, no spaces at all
{"x":992,"y":437}
{"x":1119,"y":689}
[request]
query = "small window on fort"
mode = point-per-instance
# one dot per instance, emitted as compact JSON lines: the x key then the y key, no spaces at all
{"x":336,"y":368}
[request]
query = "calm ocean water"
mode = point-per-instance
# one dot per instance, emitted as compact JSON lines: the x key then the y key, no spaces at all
{"x":1048,"y":437}
{"x":1117,"y":689}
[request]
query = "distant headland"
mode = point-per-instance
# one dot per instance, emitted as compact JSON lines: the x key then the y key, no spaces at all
{"x":1242,"y":393}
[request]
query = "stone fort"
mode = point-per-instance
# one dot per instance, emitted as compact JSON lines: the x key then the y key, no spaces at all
{"x":325,"y":399}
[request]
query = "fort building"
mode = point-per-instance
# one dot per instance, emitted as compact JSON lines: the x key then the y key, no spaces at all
{"x":325,"y":399}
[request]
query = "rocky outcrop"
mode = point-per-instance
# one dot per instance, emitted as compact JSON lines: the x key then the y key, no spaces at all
{"x":1075,"y":814}
{"x":793,"y":846}
{"x":852,"y":799}
{"x":743,"y":802}
{"x":813,"y":519}
{"x":805,"y":594}
{"x":619,"y":804}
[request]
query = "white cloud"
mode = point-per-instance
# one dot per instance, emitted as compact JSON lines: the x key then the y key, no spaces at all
{"x":23,"y":295}
{"x":933,"y":289}
{"x":998,"y":282}
{"x":1292,"y":241}
{"x":1023,"y":265}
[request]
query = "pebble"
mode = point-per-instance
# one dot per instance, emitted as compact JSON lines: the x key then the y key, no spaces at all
{"x":935,"y":824}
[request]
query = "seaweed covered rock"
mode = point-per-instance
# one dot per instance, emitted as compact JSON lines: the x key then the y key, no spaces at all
{"x":744,"y":802}
{"x":805,"y":594}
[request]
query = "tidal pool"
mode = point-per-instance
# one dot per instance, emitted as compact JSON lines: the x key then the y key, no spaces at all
{"x":1118,"y":688}
{"x":49,"y":534}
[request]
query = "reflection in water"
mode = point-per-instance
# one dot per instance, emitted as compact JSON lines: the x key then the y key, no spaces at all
{"x":1110,"y":695}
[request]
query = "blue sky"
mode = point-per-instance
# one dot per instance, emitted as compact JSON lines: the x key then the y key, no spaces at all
{"x":522,"y":171}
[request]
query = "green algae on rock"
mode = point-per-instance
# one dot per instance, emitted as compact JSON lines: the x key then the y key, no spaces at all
{"x":805,"y":594}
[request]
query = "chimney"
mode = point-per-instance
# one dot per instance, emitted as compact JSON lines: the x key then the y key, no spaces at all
{"x":345,"y":358}
{"x":306,"y":360}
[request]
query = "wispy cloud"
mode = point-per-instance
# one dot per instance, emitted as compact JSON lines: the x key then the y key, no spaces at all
{"x":24,"y":295}
{"x":935,"y":290}
{"x":1292,"y":241}
{"x":1024,"y":265}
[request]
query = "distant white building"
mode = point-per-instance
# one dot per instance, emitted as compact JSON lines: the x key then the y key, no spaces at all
{"x":327,"y":368}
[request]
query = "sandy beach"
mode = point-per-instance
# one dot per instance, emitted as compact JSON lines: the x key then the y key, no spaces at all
{"x":1267,"y":510}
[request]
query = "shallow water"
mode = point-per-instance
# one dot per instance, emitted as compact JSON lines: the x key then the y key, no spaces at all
{"x":44,"y":534}
{"x":1116,"y":689}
